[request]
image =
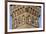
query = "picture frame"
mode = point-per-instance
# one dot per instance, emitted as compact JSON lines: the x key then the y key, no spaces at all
{"x":34,"y":4}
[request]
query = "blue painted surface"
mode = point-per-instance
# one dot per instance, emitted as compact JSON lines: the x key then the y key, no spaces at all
{"x":40,"y":22}
{"x":10,"y":22}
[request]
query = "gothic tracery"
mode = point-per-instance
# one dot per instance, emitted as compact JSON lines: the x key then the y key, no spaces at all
{"x":25,"y":16}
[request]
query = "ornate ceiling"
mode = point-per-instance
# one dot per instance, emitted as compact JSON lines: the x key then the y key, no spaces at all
{"x":25,"y":16}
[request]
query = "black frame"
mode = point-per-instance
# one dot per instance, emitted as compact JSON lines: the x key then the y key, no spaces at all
{"x":24,"y":2}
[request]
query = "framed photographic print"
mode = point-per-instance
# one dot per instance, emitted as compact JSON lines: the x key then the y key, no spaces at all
{"x":25,"y":16}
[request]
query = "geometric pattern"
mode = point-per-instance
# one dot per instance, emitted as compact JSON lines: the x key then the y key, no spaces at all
{"x":25,"y":16}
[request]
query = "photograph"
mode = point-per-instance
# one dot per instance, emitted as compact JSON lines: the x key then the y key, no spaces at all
{"x":25,"y":16}
{"x":22,"y":17}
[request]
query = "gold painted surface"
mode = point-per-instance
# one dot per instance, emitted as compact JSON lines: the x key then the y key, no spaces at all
{"x":25,"y":16}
